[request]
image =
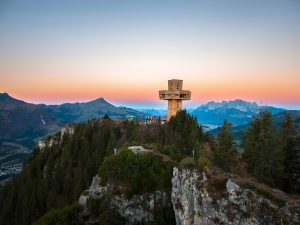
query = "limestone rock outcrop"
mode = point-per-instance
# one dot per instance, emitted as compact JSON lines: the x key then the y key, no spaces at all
{"x":57,"y":138}
{"x":136,"y":209}
{"x":211,"y":198}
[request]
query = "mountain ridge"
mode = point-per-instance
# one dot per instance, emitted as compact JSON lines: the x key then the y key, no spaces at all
{"x":238,"y":112}
{"x":23,"y":123}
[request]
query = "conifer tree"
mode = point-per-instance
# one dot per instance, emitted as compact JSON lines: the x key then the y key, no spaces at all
{"x":290,"y":148}
{"x":106,"y":117}
{"x":225,"y":147}
{"x":262,"y":151}
{"x":185,"y":132}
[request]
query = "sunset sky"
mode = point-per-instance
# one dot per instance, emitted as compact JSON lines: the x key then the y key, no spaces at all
{"x":125,"y":51}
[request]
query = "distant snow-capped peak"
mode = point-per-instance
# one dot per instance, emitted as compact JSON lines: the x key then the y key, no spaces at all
{"x":235,"y":104}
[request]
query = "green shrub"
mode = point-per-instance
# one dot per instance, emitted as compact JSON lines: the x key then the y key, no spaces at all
{"x":203,"y":162}
{"x":70,"y":215}
{"x":172,"y":151}
{"x":85,"y":193}
{"x":187,"y":163}
{"x":139,"y":172}
{"x":93,"y":205}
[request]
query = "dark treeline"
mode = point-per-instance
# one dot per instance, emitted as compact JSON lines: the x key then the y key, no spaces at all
{"x":57,"y":176}
{"x":272,"y":153}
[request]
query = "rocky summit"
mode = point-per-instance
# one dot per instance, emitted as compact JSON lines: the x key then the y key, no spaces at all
{"x":213,"y":197}
{"x":209,"y":197}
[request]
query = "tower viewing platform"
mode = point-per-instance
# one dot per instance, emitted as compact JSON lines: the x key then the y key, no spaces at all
{"x":174,"y":95}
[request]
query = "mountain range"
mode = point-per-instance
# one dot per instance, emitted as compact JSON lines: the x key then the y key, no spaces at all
{"x":22,"y":123}
{"x":82,"y":112}
{"x":212,"y":114}
{"x":238,"y":112}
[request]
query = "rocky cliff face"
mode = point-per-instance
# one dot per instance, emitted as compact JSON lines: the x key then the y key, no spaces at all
{"x":57,"y":138}
{"x":209,"y":197}
{"x":137,"y":209}
{"x":214,"y":197}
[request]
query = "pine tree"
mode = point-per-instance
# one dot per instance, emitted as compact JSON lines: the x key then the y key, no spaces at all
{"x":290,"y":148}
{"x":225,"y":147}
{"x":296,"y":185}
{"x":262,"y":151}
{"x":185,"y":132}
{"x":106,"y":117}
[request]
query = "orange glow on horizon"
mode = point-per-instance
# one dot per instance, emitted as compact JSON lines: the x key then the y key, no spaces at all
{"x":235,"y":87}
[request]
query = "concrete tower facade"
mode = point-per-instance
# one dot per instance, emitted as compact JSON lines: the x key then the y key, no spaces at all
{"x":174,"y":95}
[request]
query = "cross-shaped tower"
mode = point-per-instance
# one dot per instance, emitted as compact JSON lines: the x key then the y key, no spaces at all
{"x":174,"y":95}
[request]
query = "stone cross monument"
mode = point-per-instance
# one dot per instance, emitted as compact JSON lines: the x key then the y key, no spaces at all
{"x":174,"y":95}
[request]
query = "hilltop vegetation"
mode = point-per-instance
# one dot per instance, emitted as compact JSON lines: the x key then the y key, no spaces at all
{"x":139,"y":173}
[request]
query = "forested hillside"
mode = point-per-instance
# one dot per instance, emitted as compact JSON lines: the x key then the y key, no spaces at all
{"x":55,"y":177}
{"x":22,"y":123}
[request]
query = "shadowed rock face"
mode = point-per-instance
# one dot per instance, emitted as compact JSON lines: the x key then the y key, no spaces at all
{"x":207,"y":199}
{"x":137,"y":209}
